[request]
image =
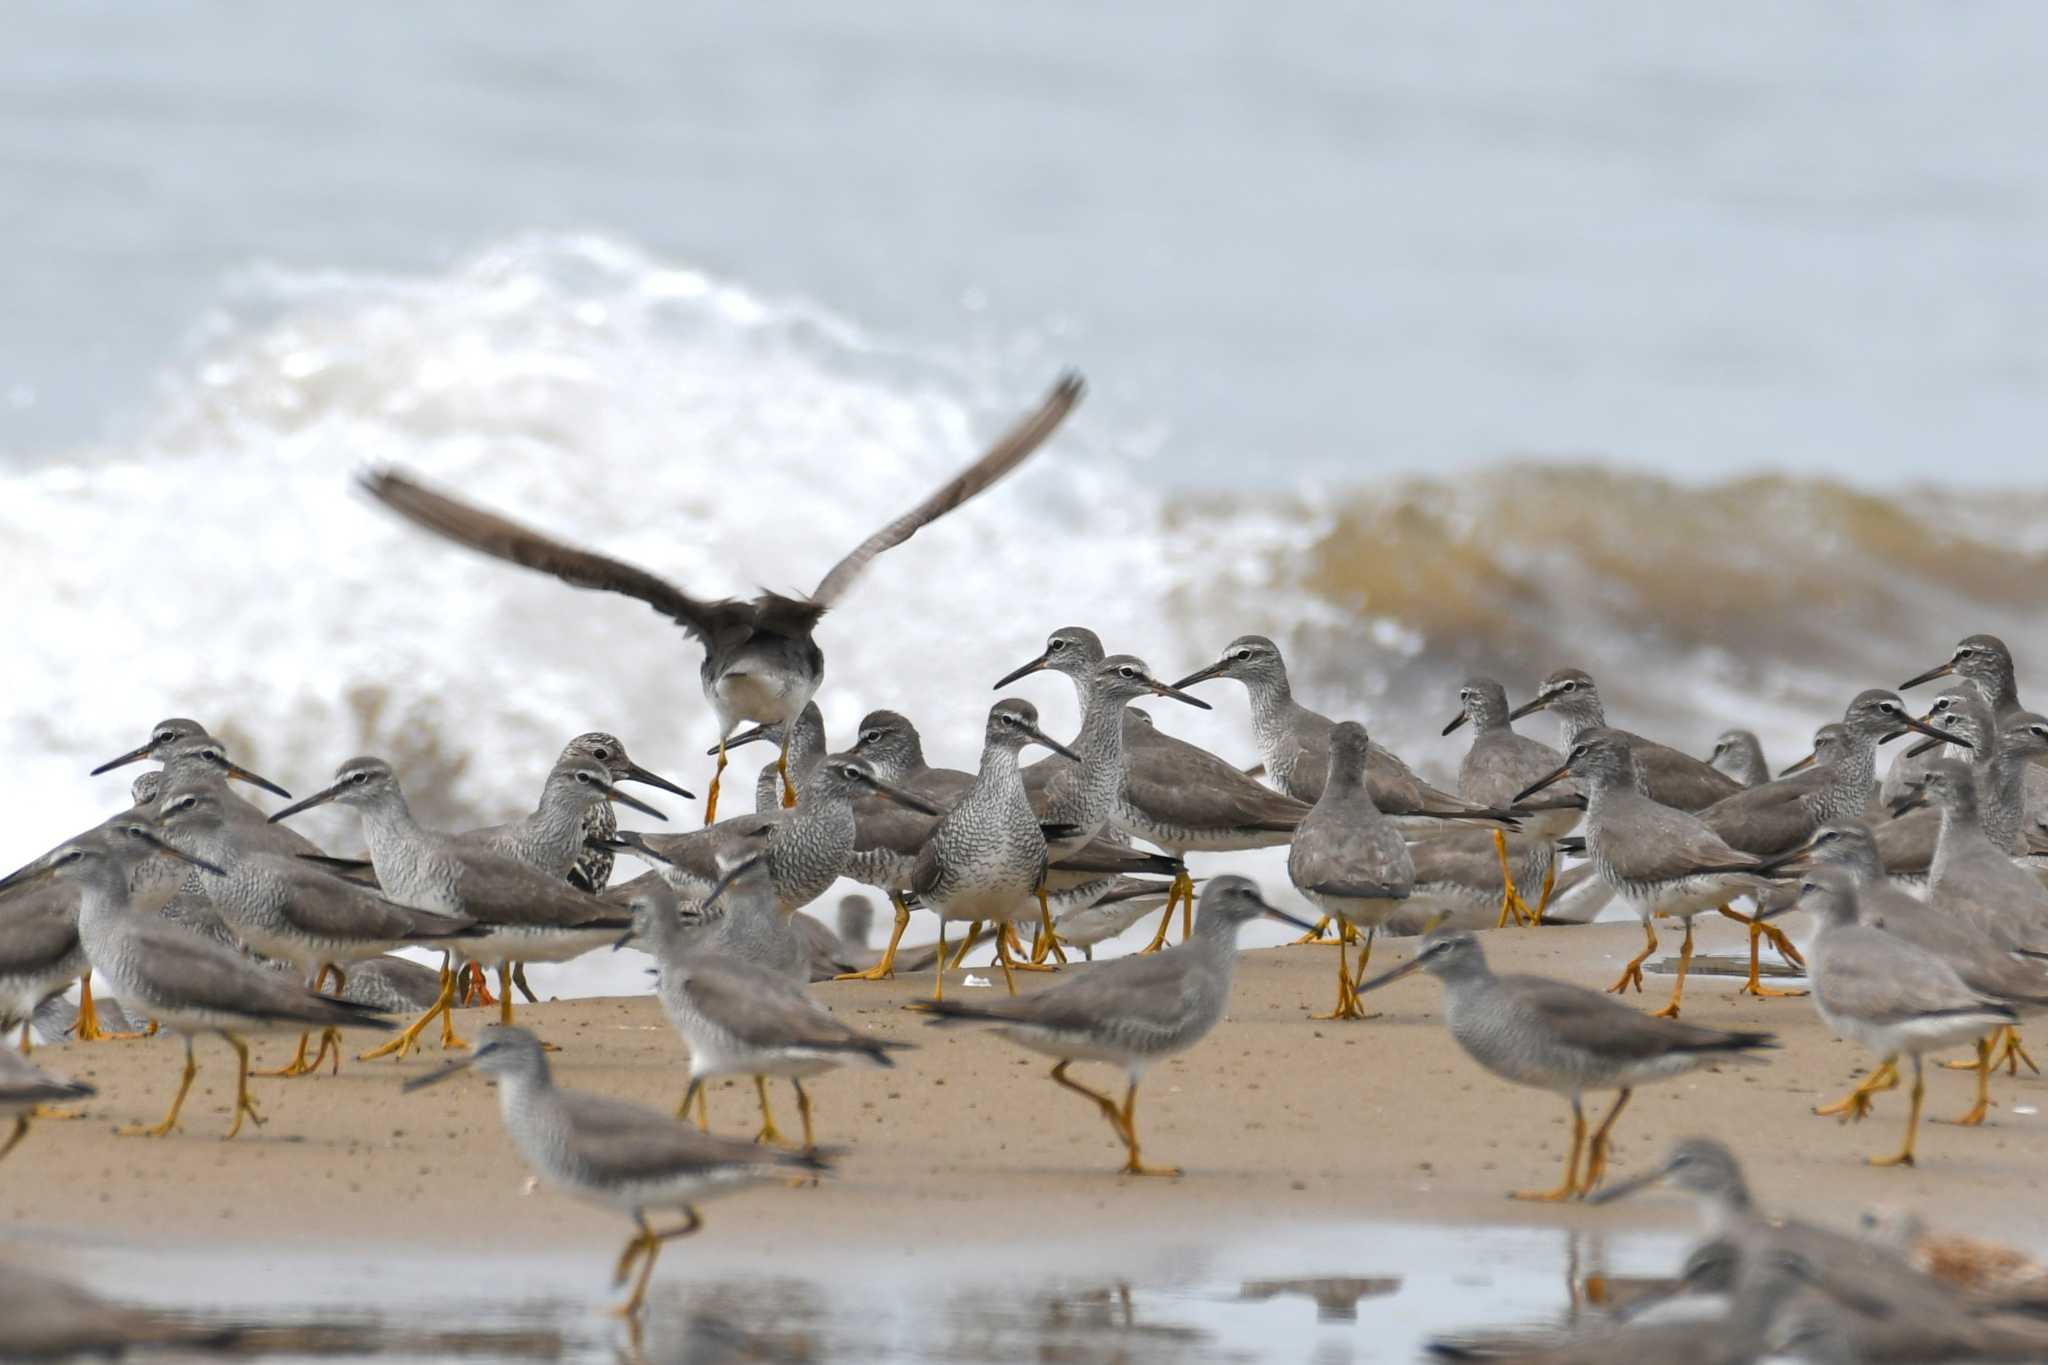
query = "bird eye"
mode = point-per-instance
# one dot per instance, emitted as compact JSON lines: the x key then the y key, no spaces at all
{"x":870,"y":736}
{"x":1055,"y":646}
{"x":1128,"y":672}
{"x":359,"y":778}
{"x":1243,"y":654}
{"x":601,"y":753}
{"x":1569,"y":687}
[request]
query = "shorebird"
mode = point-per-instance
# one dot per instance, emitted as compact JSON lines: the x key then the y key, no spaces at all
{"x":742,"y":1018}
{"x":1775,"y":818}
{"x":887,"y":836}
{"x":1960,"y":940}
{"x":1740,"y":754}
{"x":987,"y":855}
{"x":555,"y":836}
{"x":1675,"y":779}
{"x":1348,"y":860}
{"x":592,"y":870}
{"x":26,"y":1091}
{"x":1173,"y":795}
{"x":618,"y":1155}
{"x":1910,"y":765}
{"x":1906,"y":843}
{"x":1131,"y":1012}
{"x":179,"y":733}
{"x":189,"y":984}
{"x":1660,"y":860}
{"x":1295,"y":743}
{"x":1970,"y":872}
{"x":1888,"y":995}
{"x":800,"y":744}
{"x":1499,"y":764}
{"x":761,"y":662}
{"x":1555,"y":1036}
{"x":291,"y":911}
{"x":530,"y":915}
{"x":1109,"y":913}
{"x":1984,"y":660}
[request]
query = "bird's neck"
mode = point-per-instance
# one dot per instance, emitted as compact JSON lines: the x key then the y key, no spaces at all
{"x":558,"y":821}
{"x":2006,"y":783}
{"x":998,"y":765}
{"x":1847,"y":790}
{"x":388,"y":828}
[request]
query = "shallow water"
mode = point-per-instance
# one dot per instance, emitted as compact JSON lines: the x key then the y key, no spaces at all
{"x":1331,"y":1294}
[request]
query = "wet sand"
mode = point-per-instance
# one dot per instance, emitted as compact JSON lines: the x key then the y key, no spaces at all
{"x":1274,"y":1116}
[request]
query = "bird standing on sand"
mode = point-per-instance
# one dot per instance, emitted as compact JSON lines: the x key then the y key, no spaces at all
{"x":622,"y":1156}
{"x":1349,"y":860}
{"x":1130,"y":1012}
{"x":1499,"y":765}
{"x":761,"y":662}
{"x":1558,"y":1037}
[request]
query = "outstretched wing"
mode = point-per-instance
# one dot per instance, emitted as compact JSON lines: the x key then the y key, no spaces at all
{"x":1005,"y":455}
{"x":502,"y":538}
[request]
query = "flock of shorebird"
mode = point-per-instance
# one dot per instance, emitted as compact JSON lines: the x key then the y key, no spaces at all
{"x":207,"y":914}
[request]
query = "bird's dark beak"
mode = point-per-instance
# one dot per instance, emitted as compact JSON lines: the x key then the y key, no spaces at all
{"x":759,"y":732}
{"x":1275,"y":913}
{"x":1940,"y":736}
{"x":1168,"y":690}
{"x":135,"y":755}
{"x":1911,"y":801}
{"x":163,"y":845}
{"x":1924,"y":746}
{"x":1034,"y":666}
{"x":623,"y":939}
{"x":1531,"y":706}
{"x":441,"y":1074}
{"x":241,"y":774}
{"x":635,"y":802}
{"x":1456,"y":721}
{"x":636,"y":773}
{"x":737,"y":871}
{"x":1801,"y":766}
{"x":631,"y":841}
{"x":1945,"y":670}
{"x":889,"y":791}
{"x":1412,"y":964}
{"x":1540,"y":784}
{"x":1041,"y":737}
{"x":1629,"y":1187}
{"x":1214,"y":670}
{"x":318,"y":798}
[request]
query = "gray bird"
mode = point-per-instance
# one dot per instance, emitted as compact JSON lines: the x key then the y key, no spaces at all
{"x":592,"y":870}
{"x":1979,"y":722}
{"x":741,"y":1018}
{"x":1960,"y":940}
{"x":1295,"y":742}
{"x":26,"y":1091}
{"x":1131,"y":1012}
{"x":1657,"y":858}
{"x":761,"y":662}
{"x":987,"y":854}
{"x":289,"y":910}
{"x":1349,"y":860}
{"x":1675,"y":779}
{"x":1887,"y":995}
{"x":1740,"y":754}
{"x":1985,"y":661}
{"x":1971,"y":873}
{"x":617,"y":1155}
{"x":1555,"y":1036}
{"x":800,"y":743}
{"x":1906,"y":843}
{"x":189,"y":984}
{"x":530,"y":915}
{"x":177,"y":733}
{"x":1499,"y":764}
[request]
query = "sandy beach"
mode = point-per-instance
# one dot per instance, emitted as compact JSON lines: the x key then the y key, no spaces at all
{"x":1275,"y":1117}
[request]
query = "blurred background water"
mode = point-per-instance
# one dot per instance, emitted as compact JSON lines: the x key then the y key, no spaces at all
{"x":1703,"y":350}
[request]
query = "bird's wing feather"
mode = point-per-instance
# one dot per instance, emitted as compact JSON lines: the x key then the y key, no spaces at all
{"x":1663,"y":843}
{"x":1005,"y":455}
{"x":1162,"y":772}
{"x":1581,"y":1018}
{"x":629,"y":1142}
{"x":763,"y":1009}
{"x":37,"y":936}
{"x":491,"y":534}
{"x":201,"y":974}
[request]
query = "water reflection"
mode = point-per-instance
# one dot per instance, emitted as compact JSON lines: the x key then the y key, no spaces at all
{"x":1335,"y":1295}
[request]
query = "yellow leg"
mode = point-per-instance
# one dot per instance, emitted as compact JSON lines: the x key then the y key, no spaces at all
{"x":886,"y":968}
{"x":1758,"y":931}
{"x":2014,"y":1054}
{"x":330,"y":1044}
{"x":403,"y":1043}
{"x":87,"y":1028}
{"x":782,"y":768}
{"x":20,"y":1132}
{"x":1549,"y":883}
{"x":1596,"y":1155}
{"x":1856,"y":1104}
{"x":711,"y":798}
{"x":769,"y":1132}
{"x":505,"y":994}
{"x":28,"y":1037}
{"x":1133,"y":1163}
{"x":1569,"y":1186}
{"x":1315,"y":935}
{"x":695,"y":1091}
{"x":973,"y":937}
{"x":644,"y":1248}
{"x":1904,"y":1156}
{"x":1048,"y":938}
{"x":177,"y":1103}
{"x":1633,"y":972}
{"x":1101,"y":1101}
{"x":1975,"y":1114}
{"x":298,"y":1065}
{"x":1670,"y":1010}
{"x":1182,"y":886}
{"x":803,"y":1109}
{"x":1003,"y":958}
{"x":1187,"y":913}
{"x":1021,"y":959}
{"x":243,"y":1104}
{"x":1347,"y":1006}
{"x":939,"y":965}
{"x":1512,"y":905}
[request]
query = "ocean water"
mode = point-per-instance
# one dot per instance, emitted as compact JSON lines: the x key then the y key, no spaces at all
{"x":1426,"y":340}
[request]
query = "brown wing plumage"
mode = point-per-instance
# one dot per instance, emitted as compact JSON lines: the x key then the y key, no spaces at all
{"x":502,"y":538}
{"x":1005,"y":455}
